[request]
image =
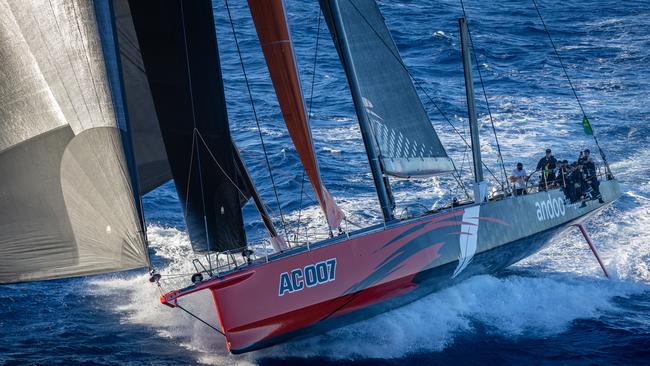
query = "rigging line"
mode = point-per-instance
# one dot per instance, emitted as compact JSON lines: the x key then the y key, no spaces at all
{"x":464,"y":154}
{"x":557,"y":54}
{"x":198,"y":154}
{"x":189,"y":173}
{"x":306,"y":193}
{"x":313,"y":74}
{"x":487,"y":103}
{"x":566,"y":74}
{"x":311,"y":100}
{"x":222,"y":169}
{"x":459,"y":180}
{"x":462,"y":167}
{"x":199,"y":319}
{"x":288,"y":176}
{"x":417,"y":84}
{"x":257,"y":121}
{"x":174,"y":275}
{"x":467,"y":145}
{"x":302,"y":186}
{"x":245,"y":152}
{"x":282,"y":173}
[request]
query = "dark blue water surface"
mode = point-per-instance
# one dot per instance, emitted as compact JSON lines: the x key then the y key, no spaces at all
{"x":554,"y":307}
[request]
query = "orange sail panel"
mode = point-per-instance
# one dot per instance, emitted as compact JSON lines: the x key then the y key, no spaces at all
{"x":273,"y":32}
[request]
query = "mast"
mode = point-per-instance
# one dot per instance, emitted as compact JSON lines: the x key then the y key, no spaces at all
{"x":376,"y":168}
{"x":378,"y":176}
{"x":480,"y":187}
{"x":381,"y":182}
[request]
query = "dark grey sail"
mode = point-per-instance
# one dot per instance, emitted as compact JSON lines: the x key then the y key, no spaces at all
{"x":65,"y":185}
{"x":386,"y":98}
{"x":149,"y":149}
{"x":178,"y":45}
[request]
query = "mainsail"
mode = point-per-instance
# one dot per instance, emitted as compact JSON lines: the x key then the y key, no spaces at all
{"x":66,"y":188}
{"x":178,"y":44}
{"x":385,"y":96}
{"x":273,"y":32}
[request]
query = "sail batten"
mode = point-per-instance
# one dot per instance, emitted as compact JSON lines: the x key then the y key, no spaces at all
{"x":407,"y":142}
{"x":273,"y":32}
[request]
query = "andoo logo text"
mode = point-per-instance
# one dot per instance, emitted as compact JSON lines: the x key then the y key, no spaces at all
{"x":311,"y":275}
{"x":550,"y":209}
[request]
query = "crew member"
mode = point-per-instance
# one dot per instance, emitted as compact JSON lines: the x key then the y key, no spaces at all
{"x":547,"y":165}
{"x":590,"y":176}
{"x":519,"y":178}
{"x":577,"y":178}
{"x":563,"y":176}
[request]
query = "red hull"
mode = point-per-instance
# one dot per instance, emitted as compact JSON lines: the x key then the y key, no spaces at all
{"x":347,"y":279}
{"x":254,"y":307}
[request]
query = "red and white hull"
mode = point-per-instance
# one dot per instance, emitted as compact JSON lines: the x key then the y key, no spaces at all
{"x":346,"y":279}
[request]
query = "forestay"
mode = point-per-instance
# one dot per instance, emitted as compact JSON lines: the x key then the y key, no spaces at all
{"x":66,"y":192}
{"x":408,"y":144}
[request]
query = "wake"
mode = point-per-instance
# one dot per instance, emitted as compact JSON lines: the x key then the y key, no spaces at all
{"x":539,"y":297}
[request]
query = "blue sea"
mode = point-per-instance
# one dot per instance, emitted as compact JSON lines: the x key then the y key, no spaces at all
{"x":553,"y":308}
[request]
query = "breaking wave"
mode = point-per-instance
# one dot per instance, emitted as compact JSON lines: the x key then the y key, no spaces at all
{"x":538,"y":297}
{"x":543,"y":296}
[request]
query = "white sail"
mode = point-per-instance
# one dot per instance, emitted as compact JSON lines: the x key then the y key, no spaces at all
{"x":66,"y":190}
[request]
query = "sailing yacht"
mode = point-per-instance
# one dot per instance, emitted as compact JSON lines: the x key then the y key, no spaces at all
{"x":106,"y":100}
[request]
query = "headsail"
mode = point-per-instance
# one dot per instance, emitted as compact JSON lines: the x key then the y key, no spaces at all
{"x":407,"y":142}
{"x":66,"y":191}
{"x":273,"y":32}
{"x":149,"y":149}
{"x":179,"y":49}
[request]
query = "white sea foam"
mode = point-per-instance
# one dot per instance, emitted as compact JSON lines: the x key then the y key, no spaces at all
{"x":138,"y":301}
{"x":557,"y":286}
{"x":514,"y":306}
{"x":544,"y":295}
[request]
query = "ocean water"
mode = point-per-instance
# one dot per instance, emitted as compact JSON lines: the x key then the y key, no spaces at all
{"x":554,"y":307}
